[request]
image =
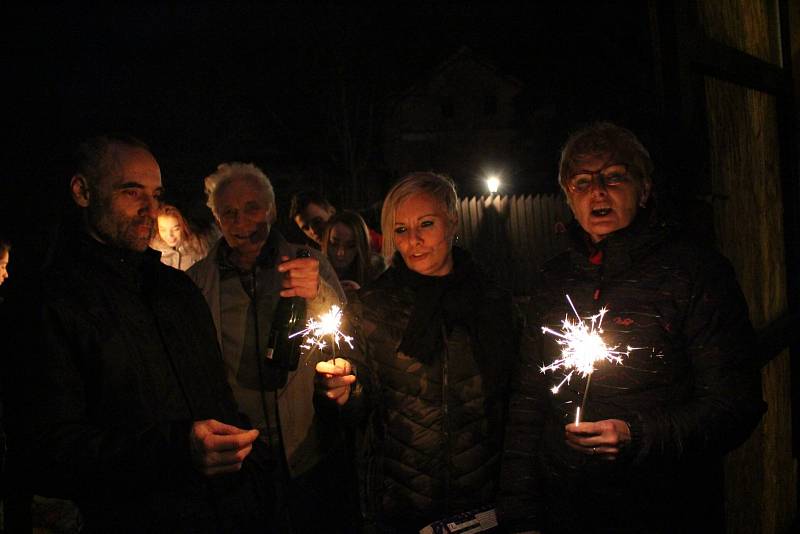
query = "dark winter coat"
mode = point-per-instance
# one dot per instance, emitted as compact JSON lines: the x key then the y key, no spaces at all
{"x":689,"y":388}
{"x":437,"y":424}
{"x":126,"y":359}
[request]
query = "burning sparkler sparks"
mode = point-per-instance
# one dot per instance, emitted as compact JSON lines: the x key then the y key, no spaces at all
{"x":318,"y":331}
{"x":581,"y":347}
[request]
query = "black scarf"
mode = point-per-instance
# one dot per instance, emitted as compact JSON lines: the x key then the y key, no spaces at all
{"x":459,"y":298}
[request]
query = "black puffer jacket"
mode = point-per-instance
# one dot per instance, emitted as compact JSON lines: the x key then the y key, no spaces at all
{"x":438,"y":424}
{"x":690,"y":390}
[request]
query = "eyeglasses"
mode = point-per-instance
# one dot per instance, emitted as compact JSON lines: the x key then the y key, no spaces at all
{"x":614,"y":175}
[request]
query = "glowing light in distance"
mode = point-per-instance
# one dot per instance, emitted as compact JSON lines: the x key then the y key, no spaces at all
{"x":493,"y":183}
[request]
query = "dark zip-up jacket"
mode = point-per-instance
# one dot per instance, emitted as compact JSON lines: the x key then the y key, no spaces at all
{"x":125,"y":360}
{"x":689,"y":388}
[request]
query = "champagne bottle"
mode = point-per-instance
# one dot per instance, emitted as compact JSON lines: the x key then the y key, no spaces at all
{"x":290,"y":317}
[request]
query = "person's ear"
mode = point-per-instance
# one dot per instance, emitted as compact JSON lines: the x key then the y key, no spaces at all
{"x":453,"y":230}
{"x":80,"y":190}
{"x":567,"y":198}
{"x":644,"y":195}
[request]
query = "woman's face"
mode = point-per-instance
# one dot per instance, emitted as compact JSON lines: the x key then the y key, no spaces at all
{"x":342,"y":249}
{"x":423,"y":234}
{"x":3,"y":267}
{"x":603,"y":196}
{"x":169,"y":229}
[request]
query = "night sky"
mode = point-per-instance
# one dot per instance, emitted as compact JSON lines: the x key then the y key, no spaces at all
{"x":204,"y":83}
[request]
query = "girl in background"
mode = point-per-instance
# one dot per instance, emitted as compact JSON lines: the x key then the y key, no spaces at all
{"x":346,"y":244}
{"x":180,"y":247}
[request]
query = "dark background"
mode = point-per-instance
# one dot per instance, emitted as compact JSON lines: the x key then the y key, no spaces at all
{"x":204,"y":83}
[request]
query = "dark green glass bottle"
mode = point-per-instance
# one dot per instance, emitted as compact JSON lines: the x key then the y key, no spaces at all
{"x":290,"y":317}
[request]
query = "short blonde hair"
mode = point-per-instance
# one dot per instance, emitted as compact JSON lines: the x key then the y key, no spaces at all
{"x":437,"y":186}
{"x":227,"y":172}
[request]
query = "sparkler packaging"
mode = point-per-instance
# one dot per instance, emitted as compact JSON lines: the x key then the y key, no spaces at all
{"x":479,"y":520}
{"x":290,"y":315}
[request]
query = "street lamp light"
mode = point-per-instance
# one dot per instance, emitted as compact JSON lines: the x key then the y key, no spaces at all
{"x":493,"y":183}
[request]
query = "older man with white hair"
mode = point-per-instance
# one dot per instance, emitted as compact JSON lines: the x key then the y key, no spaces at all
{"x":243,"y":278}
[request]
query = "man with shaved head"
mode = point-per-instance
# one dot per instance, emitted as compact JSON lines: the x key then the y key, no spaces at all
{"x":130,"y":413}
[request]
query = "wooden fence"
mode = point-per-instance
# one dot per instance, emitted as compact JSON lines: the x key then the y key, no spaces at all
{"x":512,"y":236}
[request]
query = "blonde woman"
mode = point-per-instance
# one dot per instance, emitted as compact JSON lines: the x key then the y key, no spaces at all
{"x":430,"y":369}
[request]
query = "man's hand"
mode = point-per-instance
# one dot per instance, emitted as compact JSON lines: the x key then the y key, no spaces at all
{"x":603,"y":439}
{"x":218,"y":448}
{"x":333,"y":380}
{"x":301,"y":278}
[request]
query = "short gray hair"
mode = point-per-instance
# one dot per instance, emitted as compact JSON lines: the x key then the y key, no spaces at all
{"x":227,"y":172}
{"x":439,"y":187}
{"x":605,"y":138}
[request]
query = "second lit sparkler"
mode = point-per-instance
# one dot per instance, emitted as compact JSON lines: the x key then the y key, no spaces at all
{"x":581,"y":347}
{"x":319,"y":332}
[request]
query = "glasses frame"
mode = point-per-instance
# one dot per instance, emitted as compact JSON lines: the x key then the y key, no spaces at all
{"x":600,"y":178}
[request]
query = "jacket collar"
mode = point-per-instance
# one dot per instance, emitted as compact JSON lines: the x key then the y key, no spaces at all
{"x":621,"y":249}
{"x":267,"y":258}
{"x":127,"y":265}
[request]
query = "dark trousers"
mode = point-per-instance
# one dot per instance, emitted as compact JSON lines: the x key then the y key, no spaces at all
{"x":323,"y":499}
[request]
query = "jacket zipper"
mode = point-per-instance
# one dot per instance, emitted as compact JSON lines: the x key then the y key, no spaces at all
{"x":598,"y":286}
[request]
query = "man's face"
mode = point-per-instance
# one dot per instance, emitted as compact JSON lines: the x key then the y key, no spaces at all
{"x":243,"y":215}
{"x":122,"y":207}
{"x":603,"y":196}
{"x":313,"y":220}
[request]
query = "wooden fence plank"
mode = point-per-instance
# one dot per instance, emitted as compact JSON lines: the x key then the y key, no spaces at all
{"x":512,"y":236}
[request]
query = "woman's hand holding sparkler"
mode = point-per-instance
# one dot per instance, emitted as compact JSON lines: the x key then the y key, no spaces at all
{"x":301,"y":278}
{"x":604,"y":439}
{"x":333,"y":380}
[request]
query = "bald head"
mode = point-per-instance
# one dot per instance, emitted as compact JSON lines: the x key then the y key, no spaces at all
{"x":119,"y":184}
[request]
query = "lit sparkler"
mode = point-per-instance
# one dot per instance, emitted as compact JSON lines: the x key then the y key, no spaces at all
{"x":581,"y":347}
{"x":318,"y":331}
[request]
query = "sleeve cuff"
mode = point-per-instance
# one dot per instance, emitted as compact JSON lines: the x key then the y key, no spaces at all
{"x":632,"y":451}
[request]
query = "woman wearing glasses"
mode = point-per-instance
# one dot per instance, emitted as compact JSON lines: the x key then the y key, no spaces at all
{"x":646,"y":454}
